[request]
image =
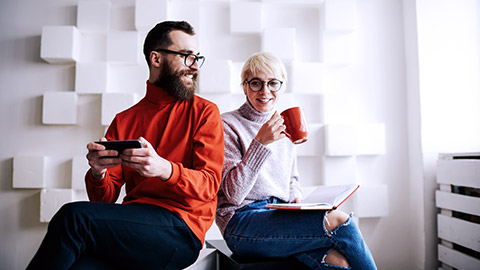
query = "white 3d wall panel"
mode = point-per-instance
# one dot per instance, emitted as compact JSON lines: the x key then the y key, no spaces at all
{"x":60,"y":44}
{"x":29,"y":171}
{"x":60,"y":108}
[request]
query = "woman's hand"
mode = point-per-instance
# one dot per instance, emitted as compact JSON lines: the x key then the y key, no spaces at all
{"x":297,"y":200}
{"x":272,"y":130}
{"x":146,"y":161}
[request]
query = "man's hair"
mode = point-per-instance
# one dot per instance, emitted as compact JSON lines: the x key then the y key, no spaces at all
{"x":264,"y":62}
{"x":159,"y":38}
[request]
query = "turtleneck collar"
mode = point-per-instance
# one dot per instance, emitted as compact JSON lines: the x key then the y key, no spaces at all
{"x":158,"y":95}
{"x":252,"y":114}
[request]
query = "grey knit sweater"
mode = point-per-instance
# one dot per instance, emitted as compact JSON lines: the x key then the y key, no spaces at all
{"x":252,"y":171}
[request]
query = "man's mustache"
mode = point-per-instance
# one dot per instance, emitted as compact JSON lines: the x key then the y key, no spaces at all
{"x":188,"y":72}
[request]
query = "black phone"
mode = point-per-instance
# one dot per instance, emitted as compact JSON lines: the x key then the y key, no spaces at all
{"x":121,"y":145}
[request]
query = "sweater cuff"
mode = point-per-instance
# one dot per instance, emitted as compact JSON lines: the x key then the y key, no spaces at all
{"x":175,"y":174}
{"x":256,"y":155}
{"x":92,"y":180}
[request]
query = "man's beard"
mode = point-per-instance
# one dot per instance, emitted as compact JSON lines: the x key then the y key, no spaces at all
{"x":172,"y":82}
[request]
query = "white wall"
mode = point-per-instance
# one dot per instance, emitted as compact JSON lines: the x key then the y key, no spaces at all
{"x":384,"y":84}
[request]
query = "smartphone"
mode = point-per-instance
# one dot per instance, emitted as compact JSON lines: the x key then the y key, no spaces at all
{"x":119,"y":146}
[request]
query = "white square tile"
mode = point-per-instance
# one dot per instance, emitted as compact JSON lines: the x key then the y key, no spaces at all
{"x":51,"y":200}
{"x":280,"y":41}
{"x":306,"y":77}
{"x":122,"y":47}
{"x":29,"y":171}
{"x":340,"y":140}
{"x":60,"y":44}
{"x":91,"y":78}
{"x":238,"y":20}
{"x":150,"y":12}
{"x":60,"y":108}
{"x":340,"y":15}
{"x":340,"y":170}
{"x":93,"y":16}
{"x":215,"y":77}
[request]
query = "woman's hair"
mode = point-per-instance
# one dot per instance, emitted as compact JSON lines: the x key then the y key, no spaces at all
{"x":261,"y":62}
{"x":159,"y":38}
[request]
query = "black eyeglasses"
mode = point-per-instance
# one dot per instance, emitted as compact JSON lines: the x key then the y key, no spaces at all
{"x":257,"y":85}
{"x":190,"y":58}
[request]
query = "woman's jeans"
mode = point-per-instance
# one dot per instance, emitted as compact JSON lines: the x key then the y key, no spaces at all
{"x":255,"y":231}
{"x":92,"y":235}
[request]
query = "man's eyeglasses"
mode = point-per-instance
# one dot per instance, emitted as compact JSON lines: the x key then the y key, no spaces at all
{"x":257,"y":85}
{"x":189,"y":59}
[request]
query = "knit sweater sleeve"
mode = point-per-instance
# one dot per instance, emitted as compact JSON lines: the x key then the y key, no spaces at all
{"x":240,"y":170}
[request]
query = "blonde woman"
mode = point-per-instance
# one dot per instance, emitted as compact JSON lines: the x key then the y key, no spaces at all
{"x":260,"y":167}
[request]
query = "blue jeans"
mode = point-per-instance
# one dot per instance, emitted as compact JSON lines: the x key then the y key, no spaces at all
{"x":258,"y":232}
{"x":93,"y":235}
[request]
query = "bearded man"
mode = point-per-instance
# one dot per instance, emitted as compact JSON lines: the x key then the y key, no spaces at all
{"x":171,"y":182}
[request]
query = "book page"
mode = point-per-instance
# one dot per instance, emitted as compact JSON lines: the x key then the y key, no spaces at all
{"x":322,"y":198}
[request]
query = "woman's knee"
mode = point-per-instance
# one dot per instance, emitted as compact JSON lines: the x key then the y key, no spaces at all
{"x":334,"y":257}
{"x":335,"y":218}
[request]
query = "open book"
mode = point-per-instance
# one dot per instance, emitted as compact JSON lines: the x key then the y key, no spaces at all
{"x":322,"y":198}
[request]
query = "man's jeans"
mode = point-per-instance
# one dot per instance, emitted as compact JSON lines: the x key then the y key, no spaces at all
{"x":255,"y":231}
{"x":92,"y":235}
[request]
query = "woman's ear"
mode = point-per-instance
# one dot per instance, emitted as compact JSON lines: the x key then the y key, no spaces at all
{"x":155,"y":59}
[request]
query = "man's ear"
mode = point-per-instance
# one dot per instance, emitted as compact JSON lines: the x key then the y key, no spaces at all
{"x":155,"y":59}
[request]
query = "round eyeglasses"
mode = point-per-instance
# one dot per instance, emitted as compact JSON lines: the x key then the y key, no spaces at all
{"x":189,"y":59}
{"x":257,"y":85}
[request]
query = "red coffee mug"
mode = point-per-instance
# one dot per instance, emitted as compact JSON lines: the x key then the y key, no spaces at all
{"x":296,"y":125}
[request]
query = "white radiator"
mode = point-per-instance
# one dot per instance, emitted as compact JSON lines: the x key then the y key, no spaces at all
{"x":458,"y":200}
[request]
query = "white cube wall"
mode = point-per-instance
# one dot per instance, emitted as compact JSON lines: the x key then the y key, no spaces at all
{"x":340,"y":15}
{"x":306,"y":78}
{"x":371,"y":139}
{"x":51,"y":200}
{"x":60,"y":44}
{"x":186,"y":10}
{"x":29,"y":172}
{"x":215,"y":77}
{"x":79,"y":169}
{"x":93,"y":16}
{"x":338,"y":49}
{"x":340,"y":140}
{"x":340,"y":170}
{"x":280,"y":41}
{"x":122,"y":47}
{"x":238,"y":23}
{"x":91,"y":78}
{"x":150,"y":12}
{"x":113,"y":103}
{"x":371,"y":201}
{"x":60,"y":108}
{"x":104,"y":53}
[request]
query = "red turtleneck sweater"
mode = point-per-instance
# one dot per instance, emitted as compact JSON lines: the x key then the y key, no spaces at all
{"x":189,"y":134}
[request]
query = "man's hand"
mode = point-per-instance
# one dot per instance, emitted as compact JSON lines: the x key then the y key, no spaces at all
{"x":272,"y":130}
{"x":100,"y":159}
{"x":146,"y":161}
